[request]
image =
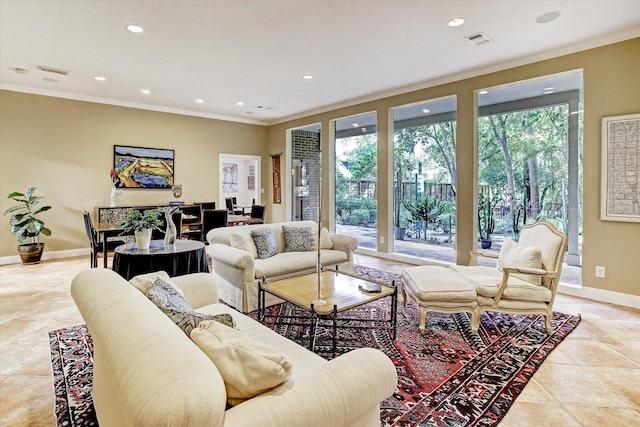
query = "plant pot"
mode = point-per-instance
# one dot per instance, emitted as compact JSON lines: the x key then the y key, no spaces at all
{"x":399,"y":233}
{"x":143,"y":238}
{"x":30,"y":253}
{"x":485,"y":244}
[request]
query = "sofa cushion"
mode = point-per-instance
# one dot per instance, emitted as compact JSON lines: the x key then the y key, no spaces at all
{"x":513,"y":254}
{"x":248,"y":367}
{"x":143,"y":282}
{"x":243,"y":240}
{"x":297,"y":239}
{"x":165,"y":297}
{"x":294,"y":262}
{"x":265,"y":241}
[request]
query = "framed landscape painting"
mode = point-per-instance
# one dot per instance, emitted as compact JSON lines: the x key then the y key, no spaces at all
{"x":141,"y":167}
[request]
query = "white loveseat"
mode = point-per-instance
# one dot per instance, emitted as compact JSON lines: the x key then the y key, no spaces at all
{"x":148,"y":372}
{"x":238,"y":268}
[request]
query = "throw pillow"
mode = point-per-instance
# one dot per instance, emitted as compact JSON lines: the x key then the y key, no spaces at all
{"x":247,"y":367}
{"x":164,"y":295}
{"x":514,"y":254}
{"x":325,"y":239}
{"x":143,"y":282}
{"x":265,"y":241}
{"x":187,"y":320}
{"x":297,"y":239}
{"x":178,"y":309}
{"x":244,"y":241}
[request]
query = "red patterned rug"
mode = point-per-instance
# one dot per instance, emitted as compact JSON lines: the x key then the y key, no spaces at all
{"x":448,"y":377}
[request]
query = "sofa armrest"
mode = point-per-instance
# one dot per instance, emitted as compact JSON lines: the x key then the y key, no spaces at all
{"x":199,"y":289}
{"x":345,"y":244}
{"x":347,"y":391}
{"x":233,"y":257}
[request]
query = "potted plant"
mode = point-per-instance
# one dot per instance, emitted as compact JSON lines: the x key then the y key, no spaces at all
{"x":486,"y":222}
{"x":142,"y":223}
{"x":26,"y":225}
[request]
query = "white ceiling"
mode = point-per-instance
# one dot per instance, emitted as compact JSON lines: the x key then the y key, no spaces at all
{"x":257,"y":51}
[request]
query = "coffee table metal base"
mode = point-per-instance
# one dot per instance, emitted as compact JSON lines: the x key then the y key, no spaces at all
{"x":323,"y":313}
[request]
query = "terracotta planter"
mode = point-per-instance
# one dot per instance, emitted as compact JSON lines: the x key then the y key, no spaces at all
{"x":30,"y":253}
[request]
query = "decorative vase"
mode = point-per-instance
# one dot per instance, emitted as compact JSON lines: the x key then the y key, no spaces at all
{"x":112,"y":201}
{"x":143,"y":238}
{"x":171,"y":233}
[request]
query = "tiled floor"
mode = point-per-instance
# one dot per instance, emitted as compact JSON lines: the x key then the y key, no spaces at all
{"x":591,"y":379}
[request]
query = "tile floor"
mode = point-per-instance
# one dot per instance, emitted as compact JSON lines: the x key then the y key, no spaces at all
{"x":591,"y":379}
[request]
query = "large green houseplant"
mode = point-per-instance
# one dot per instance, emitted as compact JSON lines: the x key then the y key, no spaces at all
{"x":26,"y":225}
{"x":142,"y":223}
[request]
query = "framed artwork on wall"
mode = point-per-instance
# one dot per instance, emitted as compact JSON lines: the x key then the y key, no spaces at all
{"x":620,"y":171}
{"x":229,"y":177}
{"x":141,"y":167}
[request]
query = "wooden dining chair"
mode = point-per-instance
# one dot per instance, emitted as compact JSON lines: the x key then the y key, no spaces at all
{"x":213,"y":218}
{"x":94,"y":244}
{"x":257,"y":214}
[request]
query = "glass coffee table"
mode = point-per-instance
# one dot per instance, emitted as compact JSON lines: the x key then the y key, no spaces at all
{"x":339,"y":292}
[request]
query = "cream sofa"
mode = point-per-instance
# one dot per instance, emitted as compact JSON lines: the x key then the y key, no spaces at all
{"x":147,"y":372}
{"x":238,"y":269}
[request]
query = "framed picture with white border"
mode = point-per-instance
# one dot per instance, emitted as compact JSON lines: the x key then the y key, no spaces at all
{"x":620,"y":170}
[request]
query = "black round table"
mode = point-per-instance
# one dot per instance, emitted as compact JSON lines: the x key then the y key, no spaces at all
{"x":182,"y":257}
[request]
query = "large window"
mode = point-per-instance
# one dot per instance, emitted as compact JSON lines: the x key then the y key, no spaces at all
{"x":356,"y":178}
{"x":529,"y":161}
{"x":424,"y":171}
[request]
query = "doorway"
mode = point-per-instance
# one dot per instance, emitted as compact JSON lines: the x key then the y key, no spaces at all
{"x":240,"y":178}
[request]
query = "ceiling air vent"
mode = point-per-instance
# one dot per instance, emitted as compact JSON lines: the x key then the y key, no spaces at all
{"x":478,"y":39}
{"x":48,"y":69}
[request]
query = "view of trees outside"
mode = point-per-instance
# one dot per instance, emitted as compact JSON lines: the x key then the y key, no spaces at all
{"x":356,"y":178}
{"x":522,"y":177}
{"x":425,"y":187}
{"x":522,"y":170}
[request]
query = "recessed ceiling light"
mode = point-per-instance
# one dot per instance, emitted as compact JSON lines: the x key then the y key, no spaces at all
{"x":145,"y":91}
{"x":50,"y":80}
{"x":100,"y":78}
{"x":363,"y":129}
{"x":483,"y":92}
{"x":239,"y":103}
{"x":249,"y":112}
{"x":456,"y":22}
{"x":200,"y":101}
{"x":355,"y":125}
{"x":134,"y":28}
{"x":307,"y":77}
{"x":426,"y":110}
{"x":548,"y":17}
{"x":21,"y":71}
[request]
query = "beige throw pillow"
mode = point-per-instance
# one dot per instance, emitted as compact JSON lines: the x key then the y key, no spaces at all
{"x":247,"y":367}
{"x":143,"y":282}
{"x":325,"y":239}
{"x":244,"y":241}
{"x":515,"y":254}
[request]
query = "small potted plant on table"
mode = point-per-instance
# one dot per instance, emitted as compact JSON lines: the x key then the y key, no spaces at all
{"x":142,"y":223}
{"x":26,"y":225}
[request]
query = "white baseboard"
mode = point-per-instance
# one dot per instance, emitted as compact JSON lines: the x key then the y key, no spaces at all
{"x":69,"y":253}
{"x":601,"y":295}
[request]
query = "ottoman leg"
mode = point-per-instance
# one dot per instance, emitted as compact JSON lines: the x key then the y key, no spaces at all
{"x":423,"y":317}
{"x":404,"y":297}
{"x":475,"y":321}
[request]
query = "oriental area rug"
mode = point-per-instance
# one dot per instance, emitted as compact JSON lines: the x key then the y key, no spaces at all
{"x":446,"y":377}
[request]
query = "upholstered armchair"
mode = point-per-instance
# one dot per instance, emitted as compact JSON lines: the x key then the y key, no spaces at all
{"x":525,"y":280}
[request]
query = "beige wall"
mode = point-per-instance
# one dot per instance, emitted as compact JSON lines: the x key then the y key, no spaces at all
{"x":65,"y":149}
{"x":611,"y":87}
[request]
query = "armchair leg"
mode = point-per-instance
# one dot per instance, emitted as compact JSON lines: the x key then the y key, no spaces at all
{"x":547,"y":321}
{"x":475,"y":321}
{"x":423,"y":318}
{"x":404,"y":297}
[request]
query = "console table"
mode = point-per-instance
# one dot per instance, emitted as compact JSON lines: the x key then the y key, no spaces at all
{"x":182,"y":257}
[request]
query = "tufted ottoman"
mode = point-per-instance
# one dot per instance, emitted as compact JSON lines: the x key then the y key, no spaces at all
{"x":440,"y":289}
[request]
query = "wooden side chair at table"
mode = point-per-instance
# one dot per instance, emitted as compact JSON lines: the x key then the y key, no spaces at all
{"x":94,"y":244}
{"x":257,"y":214}
{"x":213,"y":218}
